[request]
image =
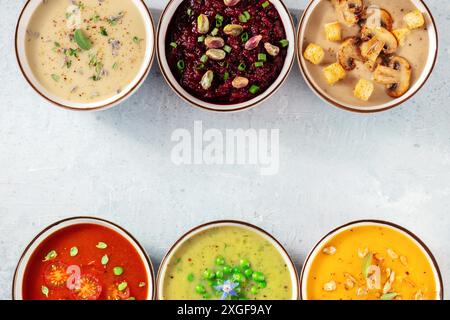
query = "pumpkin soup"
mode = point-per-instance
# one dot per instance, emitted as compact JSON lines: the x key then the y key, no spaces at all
{"x":86,"y":51}
{"x":371,"y":262}
{"x":228,"y":263}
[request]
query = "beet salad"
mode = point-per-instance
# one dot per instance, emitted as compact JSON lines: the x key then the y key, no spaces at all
{"x":226,"y":51}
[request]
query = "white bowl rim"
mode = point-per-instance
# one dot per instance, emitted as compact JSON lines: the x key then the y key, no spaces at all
{"x":413,"y":90}
{"x":290,"y":31}
{"x":370,"y":222}
{"x":235,"y":223}
{"x":110,"y":102}
{"x":61,"y":224}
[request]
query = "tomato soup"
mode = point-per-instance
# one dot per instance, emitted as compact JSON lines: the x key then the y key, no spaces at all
{"x":371,"y":262}
{"x":85,"y":262}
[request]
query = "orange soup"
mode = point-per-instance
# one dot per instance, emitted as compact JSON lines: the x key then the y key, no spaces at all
{"x":371,"y":262}
{"x":85,"y":262}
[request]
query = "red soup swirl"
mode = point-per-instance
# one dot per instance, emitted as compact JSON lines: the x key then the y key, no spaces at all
{"x":226,"y":51}
{"x":85,"y":262}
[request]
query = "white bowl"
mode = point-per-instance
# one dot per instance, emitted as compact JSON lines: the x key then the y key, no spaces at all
{"x":317,"y":250}
{"x":163,"y":26}
{"x":18,"y":279}
{"x":21,"y":30}
{"x":429,"y":66}
{"x":227,"y":223}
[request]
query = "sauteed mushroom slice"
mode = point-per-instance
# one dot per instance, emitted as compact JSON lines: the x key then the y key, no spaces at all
{"x":396,"y":77}
{"x":378,"y":17}
{"x":349,"y":10}
{"x":349,"y":52}
{"x":390,"y":42}
{"x":370,"y":51}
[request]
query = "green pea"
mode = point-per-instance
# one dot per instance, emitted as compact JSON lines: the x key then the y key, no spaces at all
{"x":258,"y":276}
{"x":207,"y":296}
{"x":209,"y":274}
{"x":219,"y":274}
{"x":238,"y":277}
{"x":262,"y":284}
{"x":254,"y":290}
{"x":200,"y":289}
{"x":227,"y":270}
{"x":220,"y":261}
{"x":218,"y":282}
{"x":245,"y":264}
{"x":248,"y":273}
{"x":236,"y":270}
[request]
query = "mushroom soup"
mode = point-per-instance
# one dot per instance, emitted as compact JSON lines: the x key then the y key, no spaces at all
{"x":365,"y":53}
{"x":86,"y":51}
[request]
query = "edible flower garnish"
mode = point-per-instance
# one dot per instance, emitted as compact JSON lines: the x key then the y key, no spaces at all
{"x":227,"y":289}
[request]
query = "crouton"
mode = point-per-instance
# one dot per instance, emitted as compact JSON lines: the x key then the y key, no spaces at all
{"x":334,"y":73}
{"x":314,"y":53}
{"x":401,"y":34}
{"x":333,"y":31}
{"x":414,"y":19}
{"x":363,"y":90}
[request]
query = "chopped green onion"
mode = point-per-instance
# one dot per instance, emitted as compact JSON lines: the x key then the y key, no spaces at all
{"x":247,"y":15}
{"x":242,"y":18}
{"x":262,"y":57}
{"x":242,"y":67}
{"x":254,"y":89}
{"x":122,"y":286}
{"x":284,"y":43}
{"x":226,"y":76}
{"x":219,"y":20}
{"x":189,"y":12}
{"x":201,"y":39}
{"x":73,"y":251}
{"x":180,"y":65}
{"x":118,"y":271}
{"x":259,"y":64}
{"x":52,"y":254}
{"x":244,"y":37}
{"x":204,"y":58}
{"x":101,"y":245}
{"x":200,"y":66}
{"x":227,"y":48}
{"x":105,"y":260}
{"x":265,"y":4}
{"x":173,"y":44}
{"x":44,"y":291}
{"x":215,"y":31}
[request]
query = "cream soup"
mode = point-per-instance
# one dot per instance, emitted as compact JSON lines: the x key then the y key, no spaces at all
{"x":86,"y":51}
{"x":413,"y":47}
{"x":227,"y":263}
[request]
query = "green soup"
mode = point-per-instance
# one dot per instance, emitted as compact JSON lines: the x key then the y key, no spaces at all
{"x":227,"y":262}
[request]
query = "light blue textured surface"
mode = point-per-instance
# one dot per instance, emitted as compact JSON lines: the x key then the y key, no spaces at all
{"x":335,"y":166}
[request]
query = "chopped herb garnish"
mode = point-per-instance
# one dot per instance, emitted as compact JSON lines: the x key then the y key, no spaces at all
{"x":227,"y":48}
{"x":57,"y":44}
{"x":105,"y":260}
{"x":180,"y":65}
{"x":214,"y":32}
{"x":103,"y":31}
{"x":262,"y":57}
{"x":226,"y":76}
{"x":265,"y":4}
{"x":51,"y":255}
{"x":219,"y":20}
{"x":137,"y":40}
{"x":122,"y":286}
{"x":173,"y":45}
{"x":73,"y":251}
{"x":201,"y":39}
{"x":189,"y":12}
{"x":82,"y":40}
{"x":254,"y":89}
{"x":190,"y":277}
{"x":141,"y":284}
{"x":242,"y":67}
{"x":101,"y":245}
{"x":244,"y":37}
{"x":204,"y":58}
{"x":95,"y":18}
{"x":118,"y":271}
{"x":284,"y":43}
{"x":44,"y":291}
{"x":259,"y":64}
{"x":55,"y":77}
